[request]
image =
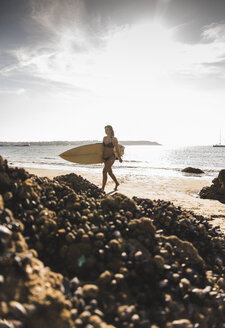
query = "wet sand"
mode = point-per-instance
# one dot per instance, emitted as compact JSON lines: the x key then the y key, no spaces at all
{"x":182,"y":191}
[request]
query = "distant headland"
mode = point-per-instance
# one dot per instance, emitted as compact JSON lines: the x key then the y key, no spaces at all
{"x":76,"y":143}
{"x":140,"y":143}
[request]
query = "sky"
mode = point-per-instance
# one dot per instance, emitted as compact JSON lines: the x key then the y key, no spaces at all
{"x":153,"y":69}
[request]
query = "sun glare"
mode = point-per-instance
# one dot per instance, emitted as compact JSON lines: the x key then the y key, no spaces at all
{"x":137,"y":58}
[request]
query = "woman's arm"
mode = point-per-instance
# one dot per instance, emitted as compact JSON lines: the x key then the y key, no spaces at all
{"x":117,"y":149}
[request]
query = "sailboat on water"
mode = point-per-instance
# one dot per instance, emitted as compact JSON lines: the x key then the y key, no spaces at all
{"x":219,"y":144}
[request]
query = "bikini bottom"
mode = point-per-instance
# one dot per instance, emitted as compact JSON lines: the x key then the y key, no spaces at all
{"x":112,"y":156}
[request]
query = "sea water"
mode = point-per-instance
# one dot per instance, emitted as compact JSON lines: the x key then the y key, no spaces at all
{"x":140,"y":161}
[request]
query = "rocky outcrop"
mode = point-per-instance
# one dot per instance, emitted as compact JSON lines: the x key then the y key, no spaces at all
{"x":192,"y":170}
{"x":31,"y":294}
{"x":72,"y":257}
{"x":216,"y":190}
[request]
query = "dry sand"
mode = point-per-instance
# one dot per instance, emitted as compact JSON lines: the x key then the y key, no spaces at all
{"x":182,"y":191}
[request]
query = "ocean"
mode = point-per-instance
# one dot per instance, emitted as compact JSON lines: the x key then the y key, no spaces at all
{"x":140,"y":161}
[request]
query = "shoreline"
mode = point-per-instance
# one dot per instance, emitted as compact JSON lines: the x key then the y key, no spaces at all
{"x":181,"y":191}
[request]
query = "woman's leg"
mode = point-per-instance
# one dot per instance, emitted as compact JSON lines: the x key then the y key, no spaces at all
{"x":113,"y":177}
{"x":104,"y":177}
{"x":106,"y":169}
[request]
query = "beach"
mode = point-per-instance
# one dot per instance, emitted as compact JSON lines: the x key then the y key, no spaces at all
{"x":181,"y":191}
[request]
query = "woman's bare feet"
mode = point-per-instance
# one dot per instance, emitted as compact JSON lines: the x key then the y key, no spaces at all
{"x":117,"y":185}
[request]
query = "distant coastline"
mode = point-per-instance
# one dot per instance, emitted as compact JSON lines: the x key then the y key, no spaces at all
{"x":75,"y":143}
{"x":140,"y":143}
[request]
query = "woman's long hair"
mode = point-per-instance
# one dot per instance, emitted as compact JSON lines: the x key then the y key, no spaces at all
{"x":111,"y":130}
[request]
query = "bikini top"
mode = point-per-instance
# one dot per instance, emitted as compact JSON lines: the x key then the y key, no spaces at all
{"x":110,"y":144}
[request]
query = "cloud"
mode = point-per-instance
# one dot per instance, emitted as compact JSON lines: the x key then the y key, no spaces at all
{"x":15,"y":91}
{"x":203,"y":62}
{"x":57,"y":37}
{"x":214,"y":32}
{"x":71,"y":41}
{"x":55,"y":34}
{"x":31,"y":22}
{"x":213,"y":38}
{"x":58,"y":17}
{"x":144,"y":51}
{"x":7,"y":60}
{"x":83,"y":24}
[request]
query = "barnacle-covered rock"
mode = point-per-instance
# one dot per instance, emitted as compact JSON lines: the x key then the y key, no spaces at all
{"x":30,"y":292}
{"x":115,"y":261}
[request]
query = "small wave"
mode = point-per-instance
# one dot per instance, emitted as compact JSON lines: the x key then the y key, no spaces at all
{"x":134,"y":167}
{"x":133,"y":161}
{"x":212,"y":170}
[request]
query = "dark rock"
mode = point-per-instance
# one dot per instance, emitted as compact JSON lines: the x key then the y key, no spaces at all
{"x":192,"y":170}
{"x":5,"y":233}
{"x":5,"y":182}
{"x":181,"y":323}
{"x":5,"y":324}
{"x":1,"y":203}
{"x":216,"y":190}
{"x":90,"y":291}
{"x":17,"y":309}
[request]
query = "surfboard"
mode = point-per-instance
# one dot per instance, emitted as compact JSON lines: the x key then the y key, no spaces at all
{"x":87,"y":154}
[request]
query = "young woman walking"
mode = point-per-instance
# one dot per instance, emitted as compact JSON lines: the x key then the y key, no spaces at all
{"x":109,"y":144}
